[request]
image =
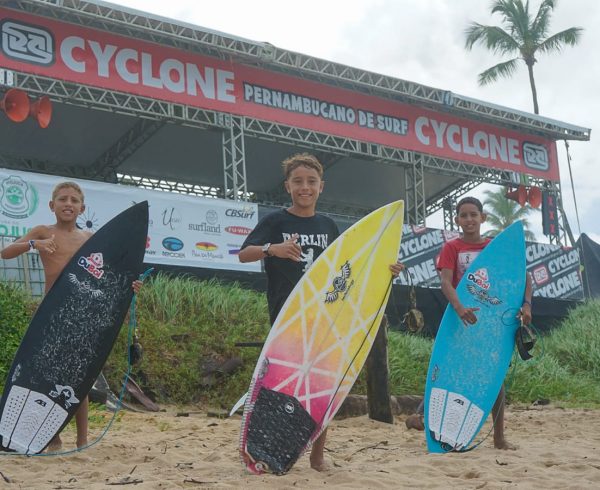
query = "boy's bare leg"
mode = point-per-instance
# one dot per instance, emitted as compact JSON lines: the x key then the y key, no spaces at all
{"x":498,"y":416}
{"x":317,"y":460}
{"x":55,"y":444}
{"x":81,"y":421}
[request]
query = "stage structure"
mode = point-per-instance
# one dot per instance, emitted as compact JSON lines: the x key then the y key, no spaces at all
{"x":147,"y":101}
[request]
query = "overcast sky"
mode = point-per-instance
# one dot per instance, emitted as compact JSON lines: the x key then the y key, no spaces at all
{"x":423,"y":41}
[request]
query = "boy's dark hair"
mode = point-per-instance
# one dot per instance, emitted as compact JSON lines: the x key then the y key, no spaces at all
{"x":301,"y":160}
{"x":469,"y":200}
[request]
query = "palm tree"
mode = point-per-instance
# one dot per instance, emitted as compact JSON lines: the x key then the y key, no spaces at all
{"x":502,"y":212}
{"x":520,"y":35}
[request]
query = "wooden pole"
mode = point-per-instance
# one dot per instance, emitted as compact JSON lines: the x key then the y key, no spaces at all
{"x":378,"y":387}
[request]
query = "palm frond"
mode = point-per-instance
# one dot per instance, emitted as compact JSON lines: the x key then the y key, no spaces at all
{"x":504,"y":69}
{"x":493,"y":38}
{"x":541,"y":23}
{"x":555,"y":42}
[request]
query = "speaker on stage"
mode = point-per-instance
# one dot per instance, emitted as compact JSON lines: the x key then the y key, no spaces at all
{"x":519,"y":195}
{"x":15,"y":105}
{"x":41,"y":111}
{"x":534,"y":197}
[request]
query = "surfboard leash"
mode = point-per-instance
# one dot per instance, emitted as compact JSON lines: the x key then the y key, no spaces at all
{"x":381,"y":305}
{"x":131,"y":328}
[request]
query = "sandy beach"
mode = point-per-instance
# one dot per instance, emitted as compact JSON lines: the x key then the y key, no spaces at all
{"x":557,"y":448}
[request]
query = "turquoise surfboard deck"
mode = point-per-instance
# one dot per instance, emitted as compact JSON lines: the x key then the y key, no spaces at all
{"x":469,"y":363}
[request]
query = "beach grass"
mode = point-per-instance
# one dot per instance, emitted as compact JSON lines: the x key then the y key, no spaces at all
{"x":211,"y":317}
{"x":189,"y":328}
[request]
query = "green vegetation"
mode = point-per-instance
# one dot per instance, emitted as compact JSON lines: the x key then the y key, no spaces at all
{"x":15,"y":312}
{"x":185,"y":324}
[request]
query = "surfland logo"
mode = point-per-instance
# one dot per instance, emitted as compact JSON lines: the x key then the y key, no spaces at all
{"x":18,"y":199}
{"x":27,"y":42}
{"x":340,"y":284}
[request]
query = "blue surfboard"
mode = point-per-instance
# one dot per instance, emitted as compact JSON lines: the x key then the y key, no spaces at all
{"x":469,"y":363}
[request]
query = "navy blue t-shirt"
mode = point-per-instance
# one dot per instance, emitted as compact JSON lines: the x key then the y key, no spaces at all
{"x":315,"y":235}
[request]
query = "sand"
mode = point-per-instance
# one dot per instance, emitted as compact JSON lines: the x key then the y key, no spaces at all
{"x":557,"y":448}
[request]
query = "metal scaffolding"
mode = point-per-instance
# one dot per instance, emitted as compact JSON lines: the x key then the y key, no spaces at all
{"x":153,"y":114}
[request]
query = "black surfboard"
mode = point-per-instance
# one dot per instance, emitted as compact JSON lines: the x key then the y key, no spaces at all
{"x":72,"y":334}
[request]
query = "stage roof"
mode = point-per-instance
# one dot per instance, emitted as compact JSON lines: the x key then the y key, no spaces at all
{"x":160,"y":103}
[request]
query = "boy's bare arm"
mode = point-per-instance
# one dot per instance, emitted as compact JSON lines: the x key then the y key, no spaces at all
{"x":288,"y":249}
{"x":467,"y":315}
{"x":21,"y":245}
{"x":525,"y":312}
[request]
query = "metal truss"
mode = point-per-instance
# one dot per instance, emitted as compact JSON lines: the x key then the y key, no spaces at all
{"x":180,"y":35}
{"x":170,"y":186}
{"x":159,"y":112}
{"x":118,"y":102}
{"x":234,"y":160}
{"x":141,"y":25}
{"x":106,"y":165}
{"x":41,"y":166}
{"x":415,"y":194}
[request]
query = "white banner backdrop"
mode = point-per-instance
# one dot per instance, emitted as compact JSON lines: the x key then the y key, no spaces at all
{"x":184,"y":230}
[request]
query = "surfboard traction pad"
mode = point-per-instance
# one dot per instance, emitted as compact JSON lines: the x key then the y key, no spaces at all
{"x":453,"y":419}
{"x":279,"y":431}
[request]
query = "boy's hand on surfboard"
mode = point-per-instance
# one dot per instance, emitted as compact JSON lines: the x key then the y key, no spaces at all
{"x":136,"y":285}
{"x":396,"y":268}
{"x":288,"y":249}
{"x":467,"y":315}
{"x":47,"y":245}
{"x":525,"y":314}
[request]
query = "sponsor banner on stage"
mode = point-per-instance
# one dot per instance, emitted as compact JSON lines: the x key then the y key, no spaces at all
{"x":555,"y":270}
{"x":97,"y":58}
{"x":183,"y":230}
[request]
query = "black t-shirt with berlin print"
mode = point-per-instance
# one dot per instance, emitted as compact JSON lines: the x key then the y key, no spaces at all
{"x":315,"y":235}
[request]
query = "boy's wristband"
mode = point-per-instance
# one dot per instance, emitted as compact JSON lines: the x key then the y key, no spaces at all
{"x":525,"y":302}
{"x":31,"y":244}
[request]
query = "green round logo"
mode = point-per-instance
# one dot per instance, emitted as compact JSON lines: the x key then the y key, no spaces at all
{"x":18,"y":199}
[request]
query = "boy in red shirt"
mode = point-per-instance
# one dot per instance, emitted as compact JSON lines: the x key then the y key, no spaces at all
{"x":455,"y":258}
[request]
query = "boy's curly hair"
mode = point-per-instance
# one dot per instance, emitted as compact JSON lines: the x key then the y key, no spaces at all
{"x":301,"y":160}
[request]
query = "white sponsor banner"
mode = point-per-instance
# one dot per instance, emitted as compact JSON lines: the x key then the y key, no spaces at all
{"x":184,"y":230}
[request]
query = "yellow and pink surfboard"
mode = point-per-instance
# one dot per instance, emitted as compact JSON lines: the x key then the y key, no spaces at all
{"x":319,"y":342}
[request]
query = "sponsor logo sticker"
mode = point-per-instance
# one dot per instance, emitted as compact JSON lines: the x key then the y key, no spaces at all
{"x":26,"y":42}
{"x":238,"y":230}
{"x":206,"y":246}
{"x":93,"y":264}
{"x":172,"y":244}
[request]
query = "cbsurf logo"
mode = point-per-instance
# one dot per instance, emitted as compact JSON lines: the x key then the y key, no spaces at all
{"x":242,"y":213}
{"x":93,"y":264}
